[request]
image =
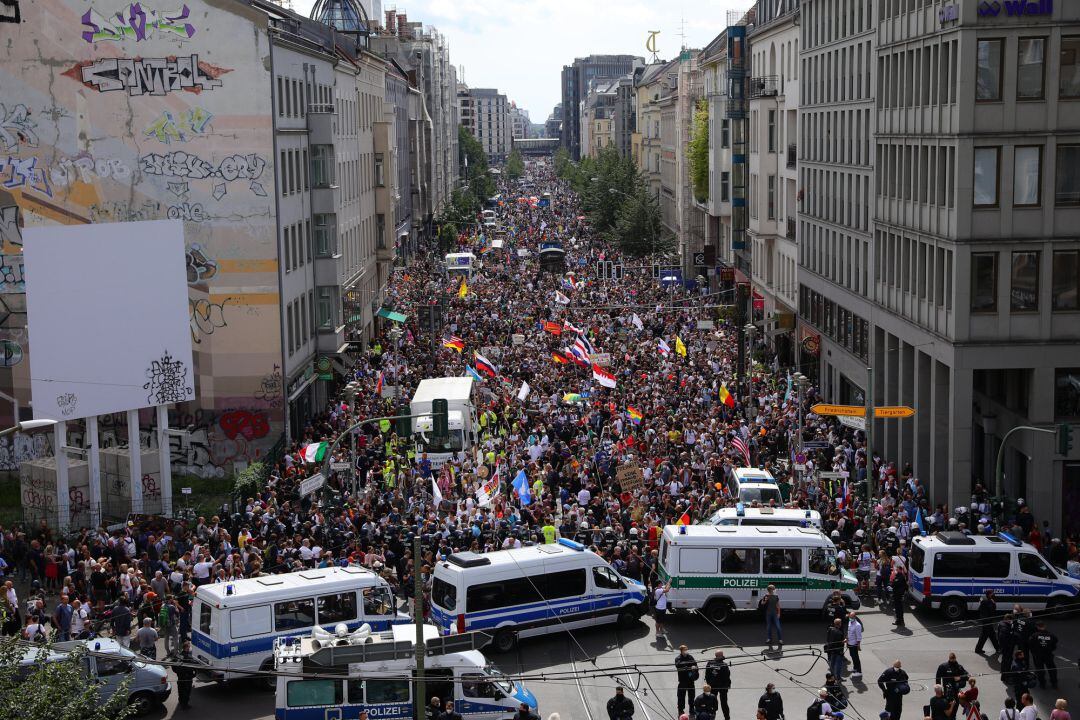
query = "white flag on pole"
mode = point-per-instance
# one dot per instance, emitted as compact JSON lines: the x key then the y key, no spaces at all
{"x":524,"y":391}
{"x":436,"y":492}
{"x":637,"y":322}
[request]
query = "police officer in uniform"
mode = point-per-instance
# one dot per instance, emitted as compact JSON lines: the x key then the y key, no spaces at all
{"x":1042,"y":645}
{"x":987,"y":613}
{"x":718,"y":677}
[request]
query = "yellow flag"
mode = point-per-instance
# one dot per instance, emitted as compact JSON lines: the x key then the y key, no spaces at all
{"x":680,"y":348}
{"x":464,"y":290}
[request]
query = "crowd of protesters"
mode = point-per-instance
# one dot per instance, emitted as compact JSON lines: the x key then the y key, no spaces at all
{"x":679,"y":410}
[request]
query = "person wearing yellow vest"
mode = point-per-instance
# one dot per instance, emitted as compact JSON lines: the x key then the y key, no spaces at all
{"x":550,"y":533}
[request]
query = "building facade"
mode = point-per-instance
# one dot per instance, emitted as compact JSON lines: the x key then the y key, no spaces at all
{"x":577,"y":78}
{"x":485,"y":112}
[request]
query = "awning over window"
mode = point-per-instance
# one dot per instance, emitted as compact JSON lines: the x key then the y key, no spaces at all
{"x":391,"y":315}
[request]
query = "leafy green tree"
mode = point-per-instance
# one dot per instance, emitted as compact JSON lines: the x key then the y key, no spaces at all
{"x":638,"y":229}
{"x":698,"y":152}
{"x":56,"y":690}
{"x":515,"y":165}
{"x":474,"y":166}
{"x":606,"y":182}
{"x":563,"y":163}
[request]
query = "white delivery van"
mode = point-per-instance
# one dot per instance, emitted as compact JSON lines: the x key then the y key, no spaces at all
{"x":374,"y":675}
{"x":457,"y":391}
{"x":720,"y":569}
{"x":489,"y":215}
{"x":750,"y":486}
{"x":461,"y":265}
{"x":765,"y":516}
{"x":531,"y":591}
{"x":950,"y":571}
{"x":109,"y":665}
{"x":234,"y":624}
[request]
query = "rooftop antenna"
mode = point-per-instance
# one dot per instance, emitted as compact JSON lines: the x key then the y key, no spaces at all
{"x":682,"y":33}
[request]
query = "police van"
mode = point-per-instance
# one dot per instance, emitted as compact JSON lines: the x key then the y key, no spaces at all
{"x":339,"y":674}
{"x":720,"y":569}
{"x":764,"y":516}
{"x":531,"y":591}
{"x":751,"y":485}
{"x":234,"y":624}
{"x":950,"y":571}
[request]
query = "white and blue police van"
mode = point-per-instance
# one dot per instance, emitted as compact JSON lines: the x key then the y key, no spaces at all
{"x":754,"y":486}
{"x":950,"y":571}
{"x":531,"y":591}
{"x":235,"y":624}
{"x":336,"y":675}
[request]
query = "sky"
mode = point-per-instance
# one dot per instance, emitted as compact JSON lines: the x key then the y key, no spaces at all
{"x":520,"y":46}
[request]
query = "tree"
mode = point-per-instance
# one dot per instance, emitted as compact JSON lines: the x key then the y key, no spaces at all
{"x":698,"y":152}
{"x":474,"y":166}
{"x":56,"y":690}
{"x":515,"y":166}
{"x":605,"y":183}
{"x":563,"y":163}
{"x":638,"y":229}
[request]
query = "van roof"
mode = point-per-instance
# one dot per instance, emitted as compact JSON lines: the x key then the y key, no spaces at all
{"x":448,"y":388}
{"x":60,"y":650}
{"x":769,"y":512}
{"x":747,"y":474}
{"x":526,"y":556}
{"x":755,"y":534}
{"x":957,"y":540}
{"x":321,"y":579}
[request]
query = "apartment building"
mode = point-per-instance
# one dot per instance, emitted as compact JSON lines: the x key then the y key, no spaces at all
{"x":485,"y":112}
{"x":649,"y":87}
{"x":682,"y":217}
{"x":520,"y":124}
{"x":939,"y":159}
{"x":717,"y":208}
{"x":597,"y":118}
{"x":576,"y":81}
{"x":773,"y":93}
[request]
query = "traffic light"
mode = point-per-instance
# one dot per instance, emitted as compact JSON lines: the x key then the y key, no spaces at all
{"x":403,"y":426}
{"x":440,"y":422}
{"x":1064,"y":438}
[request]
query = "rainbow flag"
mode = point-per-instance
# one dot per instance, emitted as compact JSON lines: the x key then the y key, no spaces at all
{"x":635,"y":415}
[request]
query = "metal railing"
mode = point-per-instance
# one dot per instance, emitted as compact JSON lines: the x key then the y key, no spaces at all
{"x":765,"y":86}
{"x":792,"y":155}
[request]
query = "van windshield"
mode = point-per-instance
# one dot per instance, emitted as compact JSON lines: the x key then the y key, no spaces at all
{"x":457,"y":443}
{"x":763,"y":495}
{"x":496,"y":676}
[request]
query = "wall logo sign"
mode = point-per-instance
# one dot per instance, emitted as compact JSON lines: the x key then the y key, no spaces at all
{"x":1016,"y":8}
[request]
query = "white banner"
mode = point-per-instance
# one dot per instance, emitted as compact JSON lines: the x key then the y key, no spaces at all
{"x":524,"y":391}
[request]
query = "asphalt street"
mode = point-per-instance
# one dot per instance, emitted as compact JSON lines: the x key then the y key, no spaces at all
{"x":798,"y":671}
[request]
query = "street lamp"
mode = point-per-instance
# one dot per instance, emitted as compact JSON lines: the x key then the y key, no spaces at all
{"x":749,"y":329}
{"x":801,"y":381}
{"x":27,"y":426}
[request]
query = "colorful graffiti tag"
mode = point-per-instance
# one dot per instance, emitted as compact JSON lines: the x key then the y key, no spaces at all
{"x":136,"y":22}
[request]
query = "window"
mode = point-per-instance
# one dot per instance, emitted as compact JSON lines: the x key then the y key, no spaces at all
{"x":206,"y":618}
{"x":1069,"y":85}
{"x":280,"y":97}
{"x":1024,"y":296}
{"x":771,"y":197}
{"x":1066,"y":393}
{"x":303,"y":320}
{"x":983,"y":282}
{"x":283,"y":169}
{"x":986,"y":176}
{"x":245,"y":622}
{"x":779,"y":561}
{"x":772,"y":131}
{"x":289,"y":327}
{"x":967,"y":565}
{"x":288,"y":252}
{"x":325,"y":235}
{"x":1029,"y":68}
{"x":607,"y":579}
{"x":988,"y":71}
{"x":1026,"y":175}
{"x":1068,"y":175}
{"x":725,"y":186}
{"x":387,"y":691}
{"x":322,"y":165}
{"x":378,"y":601}
{"x":740,"y":561}
{"x":444,"y":595}
{"x":380,"y":179}
{"x":1032,"y":564}
{"x":477,"y":686}
{"x":725,"y":133}
{"x":302,"y":693}
{"x":340,"y":607}
{"x":698,"y":560}
{"x":107,"y":666}
{"x":1066,"y":282}
{"x":294,"y":614}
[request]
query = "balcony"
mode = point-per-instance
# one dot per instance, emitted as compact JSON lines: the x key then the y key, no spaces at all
{"x":384,"y":252}
{"x":792,"y":155}
{"x":320,"y":122}
{"x":764,"y":86}
{"x":791,"y":228}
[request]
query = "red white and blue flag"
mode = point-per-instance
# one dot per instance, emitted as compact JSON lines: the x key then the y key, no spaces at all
{"x":586,"y":347}
{"x":663,"y":347}
{"x":485,"y":366}
{"x":742,"y":448}
{"x":569,"y":327}
{"x":845,"y":497}
{"x":577,"y":356}
{"x":378,"y":385}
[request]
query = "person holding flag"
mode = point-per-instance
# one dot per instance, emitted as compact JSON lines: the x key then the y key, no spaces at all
{"x":521,"y":487}
{"x":680,"y":347}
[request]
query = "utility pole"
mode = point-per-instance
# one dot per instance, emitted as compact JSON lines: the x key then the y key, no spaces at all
{"x":871,"y":478}
{"x":418,"y":614}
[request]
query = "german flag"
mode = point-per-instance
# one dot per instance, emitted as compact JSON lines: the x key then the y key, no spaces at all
{"x":559,"y":358}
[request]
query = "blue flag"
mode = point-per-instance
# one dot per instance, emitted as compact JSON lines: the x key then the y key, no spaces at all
{"x":473,"y":374}
{"x":521,"y":487}
{"x":919,"y":520}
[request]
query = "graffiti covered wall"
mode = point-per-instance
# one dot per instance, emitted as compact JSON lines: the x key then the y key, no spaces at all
{"x":115,"y":111}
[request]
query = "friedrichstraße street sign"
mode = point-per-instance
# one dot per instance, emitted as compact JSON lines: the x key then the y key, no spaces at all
{"x":888,"y":411}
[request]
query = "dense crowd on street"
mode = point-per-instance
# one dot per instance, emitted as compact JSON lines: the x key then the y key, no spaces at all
{"x":679,"y":411}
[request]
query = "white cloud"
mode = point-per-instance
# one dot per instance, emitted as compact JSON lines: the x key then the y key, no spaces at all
{"x":520,"y":46}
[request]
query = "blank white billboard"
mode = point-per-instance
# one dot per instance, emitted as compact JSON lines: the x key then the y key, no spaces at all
{"x":107,"y":310}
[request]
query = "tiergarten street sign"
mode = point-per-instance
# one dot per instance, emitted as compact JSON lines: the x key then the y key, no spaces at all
{"x":895,"y":411}
{"x":887,"y":411}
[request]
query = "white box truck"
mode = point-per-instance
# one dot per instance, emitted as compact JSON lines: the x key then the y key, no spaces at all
{"x":457,"y":391}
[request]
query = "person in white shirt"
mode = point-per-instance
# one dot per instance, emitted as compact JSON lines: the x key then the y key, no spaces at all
{"x":1028,"y":710}
{"x":660,"y":602}
{"x":79,"y":619}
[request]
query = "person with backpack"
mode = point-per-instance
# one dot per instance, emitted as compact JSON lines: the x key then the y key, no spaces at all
{"x":687,"y":669}
{"x":834,"y":648}
{"x":168,"y":624}
{"x":818,"y":709}
{"x":1009,"y":712}
{"x":893,"y":683}
{"x":718,"y":677}
{"x":35,"y":630}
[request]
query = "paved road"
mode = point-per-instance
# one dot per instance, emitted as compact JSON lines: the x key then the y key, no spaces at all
{"x":797,"y":672}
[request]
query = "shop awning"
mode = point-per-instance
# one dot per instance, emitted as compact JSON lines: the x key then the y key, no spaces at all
{"x":391,"y":315}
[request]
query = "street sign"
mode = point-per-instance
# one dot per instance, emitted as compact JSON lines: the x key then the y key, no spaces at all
{"x":850,"y":410}
{"x":185,"y":491}
{"x":340,"y":466}
{"x":800,"y":458}
{"x":859,"y":423}
{"x":815,"y":445}
{"x":312,"y":484}
{"x":706,"y":325}
{"x":841,"y":475}
{"x":894,"y":411}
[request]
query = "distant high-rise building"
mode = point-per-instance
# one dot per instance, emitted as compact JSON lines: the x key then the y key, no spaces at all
{"x":577,"y":80}
{"x":485,"y":112}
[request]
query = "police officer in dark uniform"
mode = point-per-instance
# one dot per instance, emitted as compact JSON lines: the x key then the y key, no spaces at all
{"x":1041,"y":649}
{"x":771,"y":703}
{"x":718,"y":677}
{"x":687,"y":670}
{"x":1006,"y":637}
{"x":185,"y":675}
{"x":620,"y":707}
{"x":987,"y":613}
